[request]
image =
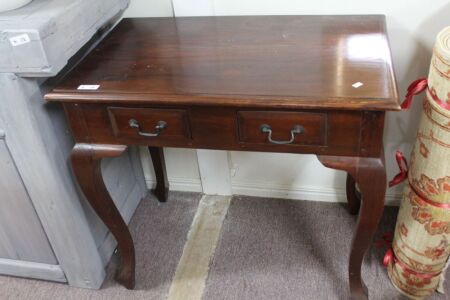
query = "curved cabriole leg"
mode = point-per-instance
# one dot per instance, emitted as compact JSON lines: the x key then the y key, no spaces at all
{"x":370,"y":175}
{"x":353,"y":197}
{"x":161,"y":190}
{"x":86,"y":159}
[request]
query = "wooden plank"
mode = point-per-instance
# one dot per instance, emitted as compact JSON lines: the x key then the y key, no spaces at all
{"x":113,"y":174}
{"x":248,"y":46}
{"x":135,"y":155}
{"x":21,"y":238}
{"x":68,"y":223}
{"x":31,"y":270}
{"x":6,"y":245}
{"x":56,"y":30}
{"x":36,"y":144}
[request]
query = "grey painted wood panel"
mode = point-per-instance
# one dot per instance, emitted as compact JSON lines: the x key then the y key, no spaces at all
{"x":137,"y":168}
{"x":21,"y":234}
{"x":57,"y":29}
{"x":40,"y":143}
{"x":31,"y":270}
{"x":35,"y":149}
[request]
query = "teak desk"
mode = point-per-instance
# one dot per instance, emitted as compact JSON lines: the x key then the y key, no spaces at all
{"x":298,"y":84}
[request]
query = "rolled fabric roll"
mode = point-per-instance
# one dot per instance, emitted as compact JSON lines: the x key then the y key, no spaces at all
{"x":421,"y":244}
{"x":439,"y":75}
{"x":429,"y":172}
{"x":420,"y":250}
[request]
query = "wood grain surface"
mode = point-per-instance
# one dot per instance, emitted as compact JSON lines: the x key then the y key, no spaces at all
{"x":258,"y":61}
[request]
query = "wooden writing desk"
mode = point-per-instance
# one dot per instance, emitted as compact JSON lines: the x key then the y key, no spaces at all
{"x":275,"y":84}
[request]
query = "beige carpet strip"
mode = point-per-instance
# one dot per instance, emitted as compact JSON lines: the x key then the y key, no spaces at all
{"x":193,"y":268}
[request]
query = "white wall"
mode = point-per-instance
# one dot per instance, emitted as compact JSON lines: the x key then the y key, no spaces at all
{"x":412,"y":27}
{"x":149,"y":8}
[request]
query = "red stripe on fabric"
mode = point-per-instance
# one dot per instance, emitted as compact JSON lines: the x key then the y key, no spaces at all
{"x":389,"y":258}
{"x":443,"y":104}
{"x":424,"y":198}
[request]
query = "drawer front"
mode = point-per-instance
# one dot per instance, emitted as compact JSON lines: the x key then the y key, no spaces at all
{"x":280,"y":127}
{"x":344,"y":133}
{"x":149,"y":124}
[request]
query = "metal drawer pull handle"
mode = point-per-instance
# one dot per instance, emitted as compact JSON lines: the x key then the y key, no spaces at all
{"x":297,"y":129}
{"x":158,"y":128}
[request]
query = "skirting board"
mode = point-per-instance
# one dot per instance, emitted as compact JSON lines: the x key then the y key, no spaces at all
{"x":33,"y":270}
{"x":300,"y":193}
{"x":179,"y":184}
{"x":264,"y":189}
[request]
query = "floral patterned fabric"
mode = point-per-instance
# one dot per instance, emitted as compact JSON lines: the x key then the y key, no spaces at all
{"x":421,"y":244}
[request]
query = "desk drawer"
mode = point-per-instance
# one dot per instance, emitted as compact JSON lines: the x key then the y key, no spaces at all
{"x":149,"y":124}
{"x":282,"y":127}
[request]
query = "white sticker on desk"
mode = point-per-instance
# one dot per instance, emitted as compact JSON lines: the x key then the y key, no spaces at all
{"x":19,"y":40}
{"x":91,"y":87}
{"x":357,"y":85}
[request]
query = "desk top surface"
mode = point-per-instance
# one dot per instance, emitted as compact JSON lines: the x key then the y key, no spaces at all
{"x":336,"y":62}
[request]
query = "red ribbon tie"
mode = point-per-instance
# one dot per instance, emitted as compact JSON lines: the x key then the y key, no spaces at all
{"x":388,"y":257}
{"x":403,"y":166}
{"x":415,"y":88}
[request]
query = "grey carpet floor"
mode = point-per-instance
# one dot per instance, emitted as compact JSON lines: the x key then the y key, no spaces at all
{"x":268,"y":249}
{"x":159,"y":231}
{"x":283,"y":249}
